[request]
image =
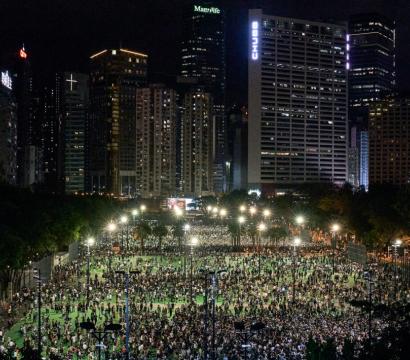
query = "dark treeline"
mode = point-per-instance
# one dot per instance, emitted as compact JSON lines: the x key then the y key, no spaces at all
{"x":36,"y":224}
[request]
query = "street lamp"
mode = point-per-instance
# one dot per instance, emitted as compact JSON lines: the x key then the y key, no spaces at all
{"x":242,"y":208}
{"x":90,"y":242}
{"x":223,"y":213}
{"x":266,"y":213}
{"x":252,"y":210}
{"x":296,"y":242}
{"x":143,"y":208}
{"x":178,"y":212}
{"x":187,"y":227}
{"x":134,"y":214}
{"x":241,"y":220}
{"x":127,"y":313}
{"x":397,"y":243}
{"x":194,"y":242}
{"x":124,"y":221}
{"x":209,"y":208}
{"x":334,"y":228}
{"x":261,"y":229}
{"x":300,"y":220}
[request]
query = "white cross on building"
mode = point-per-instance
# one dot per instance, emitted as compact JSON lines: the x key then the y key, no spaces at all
{"x":71,"y":81}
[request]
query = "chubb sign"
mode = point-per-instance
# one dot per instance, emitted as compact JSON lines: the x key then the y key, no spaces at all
{"x":207,"y":10}
{"x":255,"y":40}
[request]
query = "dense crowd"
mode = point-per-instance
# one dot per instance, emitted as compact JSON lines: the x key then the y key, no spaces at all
{"x":294,"y":293}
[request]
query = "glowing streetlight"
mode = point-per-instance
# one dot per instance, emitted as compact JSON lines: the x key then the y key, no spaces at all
{"x":143,"y":208}
{"x":252,"y":210}
{"x":194,"y":241}
{"x":187,"y":227}
{"x":266,"y":213}
{"x":215,"y":210}
{"x":223,"y":212}
{"x":178,"y":211}
{"x":397,"y":243}
{"x":262,"y":227}
{"x":335,"y":227}
{"x":90,"y":241}
{"x":111,"y":227}
{"x":134,"y":212}
{"x":123,"y":219}
{"x":297,"y":241}
{"x":242,"y":208}
{"x":209,"y":208}
{"x":241,"y":219}
{"x":300,"y":219}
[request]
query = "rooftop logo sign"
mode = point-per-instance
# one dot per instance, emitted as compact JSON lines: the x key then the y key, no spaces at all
{"x":206,"y":10}
{"x":255,"y":40}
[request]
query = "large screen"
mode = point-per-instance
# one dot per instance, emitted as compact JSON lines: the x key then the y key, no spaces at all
{"x":182,"y":203}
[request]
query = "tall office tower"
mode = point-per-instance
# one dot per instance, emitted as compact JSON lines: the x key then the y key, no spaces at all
{"x":238,"y":147}
{"x":297,"y":102}
{"x":8,"y":131}
{"x":371,"y":76}
{"x":156,"y":136}
{"x":197,"y":143}
{"x":389,"y":142}
{"x":52,"y":132}
{"x":75,"y":112}
{"x":203,"y":58}
{"x":28,"y":124}
{"x":111,"y":133}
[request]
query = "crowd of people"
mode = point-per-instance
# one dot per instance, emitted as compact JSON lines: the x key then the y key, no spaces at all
{"x":202,"y":302}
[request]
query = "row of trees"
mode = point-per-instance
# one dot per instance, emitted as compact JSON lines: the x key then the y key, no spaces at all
{"x":375,"y":217}
{"x":33,"y":225}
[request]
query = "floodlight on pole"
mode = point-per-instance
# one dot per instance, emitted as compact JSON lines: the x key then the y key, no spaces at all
{"x":143,"y":208}
{"x":297,"y":241}
{"x":178,"y":211}
{"x":90,"y":241}
{"x":134,"y":212}
{"x":241,"y":219}
{"x":266,"y":213}
{"x":111,"y":227}
{"x":242,"y":208}
{"x":252,"y":210}
{"x":187,"y":227}
{"x":300,"y":219}
{"x":123,"y":219}
{"x":335,"y":227}
{"x":223,"y":212}
{"x":262,"y":227}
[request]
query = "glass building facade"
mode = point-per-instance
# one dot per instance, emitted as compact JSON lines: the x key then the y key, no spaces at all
{"x":297,"y":102}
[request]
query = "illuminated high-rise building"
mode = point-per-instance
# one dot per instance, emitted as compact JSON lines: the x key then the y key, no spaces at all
{"x":297,"y":123}
{"x":75,"y":111}
{"x":156,"y":137}
{"x":371,"y":78}
{"x":8,"y":130}
{"x":197,"y":143}
{"x":389,"y":142}
{"x":203,"y":58}
{"x":111,"y":140}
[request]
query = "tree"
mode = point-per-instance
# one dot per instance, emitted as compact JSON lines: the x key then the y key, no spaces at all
{"x":275,"y":234}
{"x":142,"y":231}
{"x":160,"y":231}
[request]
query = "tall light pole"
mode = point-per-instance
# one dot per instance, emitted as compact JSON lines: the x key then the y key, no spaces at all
{"x":296,"y":242}
{"x":123,"y":221}
{"x":186,"y":229}
{"x":194,"y":242}
{"x":334,"y":229}
{"x":222,"y":214}
{"x":143,"y":209}
{"x":37,"y":277}
{"x":134,"y":214}
{"x":397,"y":243}
{"x":241,"y":220}
{"x":261,"y":229}
{"x":127,"y":312}
{"x":90,"y":242}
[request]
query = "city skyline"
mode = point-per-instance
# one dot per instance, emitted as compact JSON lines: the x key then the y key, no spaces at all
{"x":62,"y":35}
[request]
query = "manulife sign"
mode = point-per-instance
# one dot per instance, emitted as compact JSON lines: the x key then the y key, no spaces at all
{"x":206,"y":10}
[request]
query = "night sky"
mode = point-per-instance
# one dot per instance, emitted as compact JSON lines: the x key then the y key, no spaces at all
{"x":61,"y":34}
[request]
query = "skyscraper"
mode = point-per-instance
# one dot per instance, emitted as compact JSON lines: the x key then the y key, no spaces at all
{"x":75,"y":111}
{"x":111,"y":140}
{"x":203,"y":58}
{"x":389,"y":142}
{"x":156,"y":136}
{"x":8,"y":130}
{"x":197,"y":143}
{"x":52,"y":132}
{"x":297,"y":102}
{"x":29,"y":154}
{"x":371,"y":78}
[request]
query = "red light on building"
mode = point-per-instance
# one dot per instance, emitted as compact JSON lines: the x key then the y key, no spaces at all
{"x":23,"y":54}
